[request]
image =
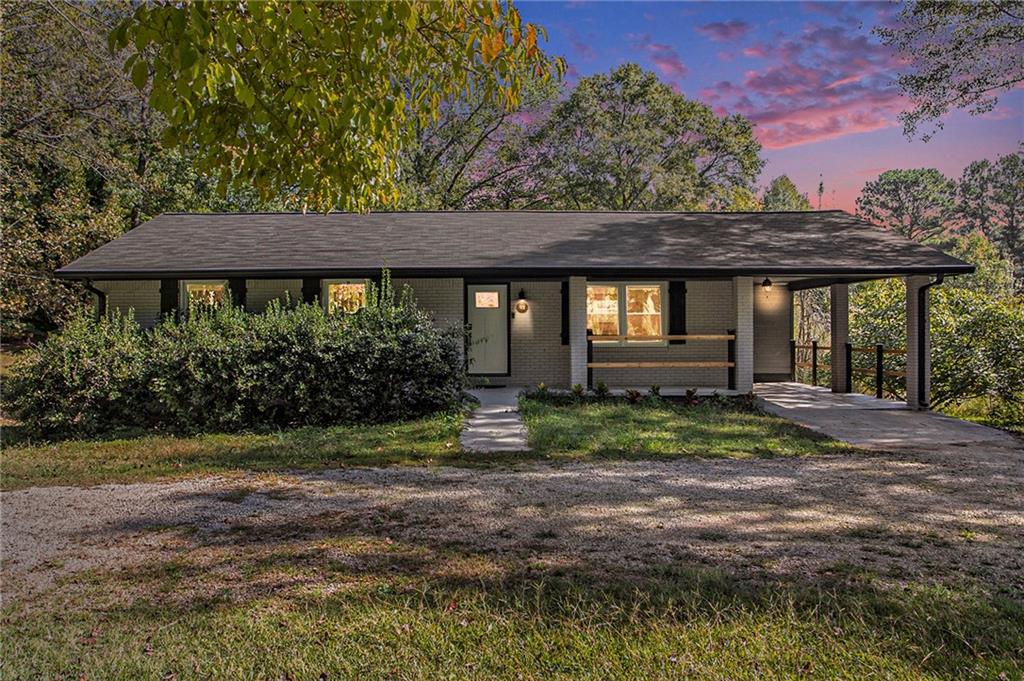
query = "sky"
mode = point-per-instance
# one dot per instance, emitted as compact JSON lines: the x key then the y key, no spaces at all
{"x":818,"y":85}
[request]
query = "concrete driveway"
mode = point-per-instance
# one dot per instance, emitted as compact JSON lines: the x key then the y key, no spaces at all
{"x":884,"y":424}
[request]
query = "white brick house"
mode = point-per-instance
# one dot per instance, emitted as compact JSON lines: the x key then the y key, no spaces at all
{"x":678,"y":299}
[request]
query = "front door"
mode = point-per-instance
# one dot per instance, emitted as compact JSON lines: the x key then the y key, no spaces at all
{"x":487,"y":316}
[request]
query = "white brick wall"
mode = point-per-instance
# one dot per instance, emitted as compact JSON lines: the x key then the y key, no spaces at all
{"x":577,"y":330}
{"x":773,"y":328}
{"x":141,"y":296}
{"x":259,"y":292}
{"x":442,"y":298}
{"x":709,"y":310}
{"x":537,"y":351}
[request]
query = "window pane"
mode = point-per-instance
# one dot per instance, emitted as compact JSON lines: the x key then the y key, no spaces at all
{"x":206,"y":294}
{"x":603,"y":310}
{"x":643,"y":311}
{"x":345,"y":297}
{"x":487,"y":299}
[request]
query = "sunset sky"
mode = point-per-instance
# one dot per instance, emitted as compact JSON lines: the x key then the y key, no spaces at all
{"x":812,"y":77}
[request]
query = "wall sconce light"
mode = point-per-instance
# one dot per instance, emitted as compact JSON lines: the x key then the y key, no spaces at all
{"x":766,"y":285}
{"x":521,"y":305}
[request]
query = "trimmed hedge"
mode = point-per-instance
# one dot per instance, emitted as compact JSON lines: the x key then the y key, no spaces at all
{"x":224,"y":369}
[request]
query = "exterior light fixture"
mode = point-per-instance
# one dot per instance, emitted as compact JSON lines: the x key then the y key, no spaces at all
{"x":521,"y":305}
{"x":766,"y":285}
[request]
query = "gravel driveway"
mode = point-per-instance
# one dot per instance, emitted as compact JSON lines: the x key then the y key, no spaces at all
{"x":945,"y":514}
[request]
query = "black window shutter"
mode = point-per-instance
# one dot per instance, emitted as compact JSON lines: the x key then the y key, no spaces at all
{"x":237,"y":288}
{"x":310,"y":289}
{"x":168,"y":296}
{"x":677,"y":310}
{"x":565,"y":313}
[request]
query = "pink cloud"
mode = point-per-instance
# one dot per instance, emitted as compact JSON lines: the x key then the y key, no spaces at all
{"x":824,"y":82}
{"x":724,"y":31}
{"x":664,"y":57}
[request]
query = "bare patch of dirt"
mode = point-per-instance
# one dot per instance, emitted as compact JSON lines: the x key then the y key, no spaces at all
{"x":891,"y":517}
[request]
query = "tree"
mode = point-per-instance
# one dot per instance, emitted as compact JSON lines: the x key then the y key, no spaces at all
{"x":977,"y":333}
{"x":478,"y":153}
{"x":916,"y":203}
{"x":782,"y":194}
{"x":316,"y":100}
{"x":626,"y":141}
{"x":80,"y":156}
{"x":962,"y":54}
{"x":990,"y":200}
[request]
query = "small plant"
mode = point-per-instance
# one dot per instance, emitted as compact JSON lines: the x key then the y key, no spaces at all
{"x":654,"y":391}
{"x":634,"y":396}
{"x":601,"y":389}
{"x":578,"y":390}
{"x":690,"y":398}
{"x":542,"y":388}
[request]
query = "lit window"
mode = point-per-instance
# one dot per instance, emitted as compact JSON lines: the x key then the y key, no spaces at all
{"x":487,"y":299}
{"x":345,"y":296}
{"x":206,"y":293}
{"x":640,"y":316}
{"x":643,"y":310}
{"x":603,"y":310}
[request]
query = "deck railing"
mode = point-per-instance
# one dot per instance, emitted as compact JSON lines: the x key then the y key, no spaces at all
{"x":879,"y":371}
{"x":729,"y":337}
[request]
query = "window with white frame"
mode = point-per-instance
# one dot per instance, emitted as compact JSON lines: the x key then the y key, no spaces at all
{"x":344,"y":295}
{"x":633,"y":310}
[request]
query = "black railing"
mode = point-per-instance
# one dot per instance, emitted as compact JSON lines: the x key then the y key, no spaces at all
{"x":805,"y":356}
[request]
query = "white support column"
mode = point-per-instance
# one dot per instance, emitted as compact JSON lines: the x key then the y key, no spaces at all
{"x":917,"y":355}
{"x":743,"y":293}
{"x":577,"y":330}
{"x":840,"y":325}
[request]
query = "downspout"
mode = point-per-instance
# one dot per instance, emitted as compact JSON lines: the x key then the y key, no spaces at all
{"x":922,"y":335}
{"x":101,"y":299}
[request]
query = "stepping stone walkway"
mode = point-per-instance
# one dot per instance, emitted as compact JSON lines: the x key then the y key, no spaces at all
{"x":495,"y":426}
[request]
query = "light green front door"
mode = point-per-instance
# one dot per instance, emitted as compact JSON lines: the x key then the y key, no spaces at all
{"x":487,"y":316}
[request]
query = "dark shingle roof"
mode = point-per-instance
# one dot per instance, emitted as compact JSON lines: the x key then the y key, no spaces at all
{"x":531,"y":242}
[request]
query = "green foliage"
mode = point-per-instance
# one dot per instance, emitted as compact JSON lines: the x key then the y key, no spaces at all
{"x":916,"y":203}
{"x":316,"y":100}
{"x":654,"y":391}
{"x":990,"y":201}
{"x":961,"y":55}
{"x":224,"y":369}
{"x":977,"y":333}
{"x":782,"y":194}
{"x":80,"y":159}
{"x":601,"y":389}
{"x":626,"y":141}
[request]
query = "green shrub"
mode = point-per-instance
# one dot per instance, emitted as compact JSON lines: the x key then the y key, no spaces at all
{"x":225,"y":369}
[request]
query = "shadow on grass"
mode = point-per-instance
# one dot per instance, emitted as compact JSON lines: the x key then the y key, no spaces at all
{"x":317,"y":596}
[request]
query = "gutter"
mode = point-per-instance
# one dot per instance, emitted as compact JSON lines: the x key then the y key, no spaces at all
{"x":101,"y":299}
{"x":922,"y":318}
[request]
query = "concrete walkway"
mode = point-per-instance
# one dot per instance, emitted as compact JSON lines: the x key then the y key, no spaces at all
{"x":879,"y":424}
{"x":495,"y":426}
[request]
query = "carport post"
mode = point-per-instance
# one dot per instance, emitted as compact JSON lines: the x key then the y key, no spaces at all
{"x":919,"y":364}
{"x":840,"y":324}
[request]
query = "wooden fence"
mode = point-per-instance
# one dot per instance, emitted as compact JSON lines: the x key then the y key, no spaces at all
{"x":729,"y":363}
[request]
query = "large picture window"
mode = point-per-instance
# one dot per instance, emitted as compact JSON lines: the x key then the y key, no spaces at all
{"x":626,"y":309}
{"x":344,"y":295}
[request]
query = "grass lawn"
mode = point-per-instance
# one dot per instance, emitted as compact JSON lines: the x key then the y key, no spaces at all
{"x":558,"y":432}
{"x":358,"y":606}
{"x":663,"y":429}
{"x":86,"y":462}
